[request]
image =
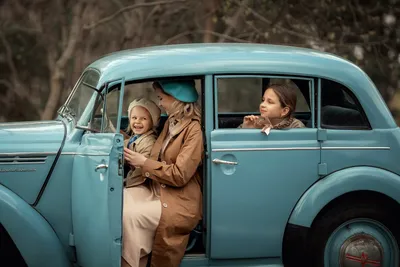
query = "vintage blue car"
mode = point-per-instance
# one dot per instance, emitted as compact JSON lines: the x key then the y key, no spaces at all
{"x":324,"y":195}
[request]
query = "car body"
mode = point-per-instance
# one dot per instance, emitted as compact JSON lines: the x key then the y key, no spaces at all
{"x":324,"y":193}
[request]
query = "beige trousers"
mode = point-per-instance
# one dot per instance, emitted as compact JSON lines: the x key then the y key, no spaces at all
{"x":141,"y":215}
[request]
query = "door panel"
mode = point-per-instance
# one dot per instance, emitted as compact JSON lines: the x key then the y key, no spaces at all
{"x":97,"y":184}
{"x":252,"y":201}
{"x":349,"y":148}
{"x":96,"y":200}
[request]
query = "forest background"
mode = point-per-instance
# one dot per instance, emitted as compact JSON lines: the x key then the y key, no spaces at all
{"x":46,"y":44}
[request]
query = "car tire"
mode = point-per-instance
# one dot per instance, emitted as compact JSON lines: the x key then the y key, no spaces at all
{"x":355,"y":233}
{"x":9,"y":254}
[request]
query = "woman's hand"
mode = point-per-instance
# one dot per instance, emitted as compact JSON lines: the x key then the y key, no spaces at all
{"x":249,"y":121}
{"x":134,"y":158}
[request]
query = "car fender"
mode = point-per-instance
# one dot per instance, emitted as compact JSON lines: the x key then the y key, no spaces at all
{"x":342,"y":182}
{"x":31,"y":233}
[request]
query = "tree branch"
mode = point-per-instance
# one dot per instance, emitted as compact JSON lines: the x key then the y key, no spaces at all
{"x":263,"y":19}
{"x":24,"y":29}
{"x":9,"y":58}
{"x":6,"y":83}
{"x":16,"y":82}
{"x":128,"y":8}
{"x":205,"y":31}
{"x":235,"y":20}
{"x":73,"y":37}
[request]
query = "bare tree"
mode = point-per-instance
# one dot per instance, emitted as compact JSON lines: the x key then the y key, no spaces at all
{"x":45,"y":44}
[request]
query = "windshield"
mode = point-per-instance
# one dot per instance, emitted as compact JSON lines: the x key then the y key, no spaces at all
{"x":82,"y":95}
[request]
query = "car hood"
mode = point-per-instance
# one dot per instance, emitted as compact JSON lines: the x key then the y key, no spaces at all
{"x":40,"y":136}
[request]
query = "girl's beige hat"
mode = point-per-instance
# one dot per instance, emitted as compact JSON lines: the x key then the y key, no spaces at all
{"x":151,"y":107}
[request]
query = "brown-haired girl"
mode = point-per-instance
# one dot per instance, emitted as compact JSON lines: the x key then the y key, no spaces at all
{"x":277,"y":106}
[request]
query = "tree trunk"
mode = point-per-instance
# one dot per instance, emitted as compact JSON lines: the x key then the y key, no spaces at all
{"x":58,"y":62}
{"x":234,"y":21}
{"x":54,"y":96}
{"x":209,"y":25}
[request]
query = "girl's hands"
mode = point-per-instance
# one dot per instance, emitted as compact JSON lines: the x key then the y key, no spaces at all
{"x":134,"y":158}
{"x":250,"y":121}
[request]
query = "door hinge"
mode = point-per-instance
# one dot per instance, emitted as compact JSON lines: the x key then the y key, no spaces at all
{"x":120,"y":166}
{"x":322,"y":169}
{"x":321,"y":135}
{"x":71,"y":240}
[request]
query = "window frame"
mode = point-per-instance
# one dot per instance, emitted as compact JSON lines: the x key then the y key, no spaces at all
{"x":350,"y":93}
{"x":312,"y":93}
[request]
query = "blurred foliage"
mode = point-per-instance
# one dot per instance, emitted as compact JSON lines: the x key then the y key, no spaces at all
{"x":45,"y":44}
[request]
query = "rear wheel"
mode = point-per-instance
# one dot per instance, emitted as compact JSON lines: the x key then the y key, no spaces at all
{"x":356,"y":234}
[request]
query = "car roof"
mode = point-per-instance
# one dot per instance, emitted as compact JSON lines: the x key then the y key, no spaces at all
{"x":222,"y":58}
{"x":238,"y":58}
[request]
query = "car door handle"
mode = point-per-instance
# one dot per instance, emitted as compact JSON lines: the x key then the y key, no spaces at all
{"x":101,"y":166}
{"x":220,"y":161}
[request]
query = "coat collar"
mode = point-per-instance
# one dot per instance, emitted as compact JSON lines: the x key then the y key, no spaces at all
{"x":168,"y":133}
{"x":137,"y":141}
{"x":175,"y":129}
{"x":285,"y":123}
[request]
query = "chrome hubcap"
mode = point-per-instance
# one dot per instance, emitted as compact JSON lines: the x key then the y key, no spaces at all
{"x":361,"y":250}
{"x":361,"y":242}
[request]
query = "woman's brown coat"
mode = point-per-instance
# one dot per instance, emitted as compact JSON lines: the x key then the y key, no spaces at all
{"x":175,"y":168}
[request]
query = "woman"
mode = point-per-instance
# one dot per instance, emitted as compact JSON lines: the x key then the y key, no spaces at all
{"x":276,"y":109}
{"x":172,"y":175}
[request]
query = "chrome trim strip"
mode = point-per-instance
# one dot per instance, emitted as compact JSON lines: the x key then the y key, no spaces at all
{"x":16,"y":170}
{"x":303,"y":148}
{"x":24,"y":154}
{"x":356,"y":148}
{"x":21,"y":163}
{"x":83,"y":154}
{"x":22,"y":159}
{"x":32,"y":154}
{"x":29,"y":123}
{"x":263,"y":149}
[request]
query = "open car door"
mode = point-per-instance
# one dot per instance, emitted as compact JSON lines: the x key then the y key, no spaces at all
{"x":97,"y":184}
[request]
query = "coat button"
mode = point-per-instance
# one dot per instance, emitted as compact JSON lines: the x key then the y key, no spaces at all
{"x":163,"y":185}
{"x":165,"y":205}
{"x":147,"y":174}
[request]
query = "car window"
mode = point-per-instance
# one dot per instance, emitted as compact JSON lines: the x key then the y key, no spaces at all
{"x":86,"y":88}
{"x":244,"y":94}
{"x":340,"y":109}
{"x":105,"y":115}
{"x":240,"y":96}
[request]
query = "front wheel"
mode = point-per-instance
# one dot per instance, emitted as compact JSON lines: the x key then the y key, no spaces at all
{"x":362,"y":234}
{"x":9,"y":254}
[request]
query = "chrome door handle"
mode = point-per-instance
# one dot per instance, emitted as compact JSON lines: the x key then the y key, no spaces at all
{"x":220,"y":161}
{"x":101,"y":166}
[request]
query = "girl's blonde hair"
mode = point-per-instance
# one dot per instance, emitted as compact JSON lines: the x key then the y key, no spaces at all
{"x":181,"y":110}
